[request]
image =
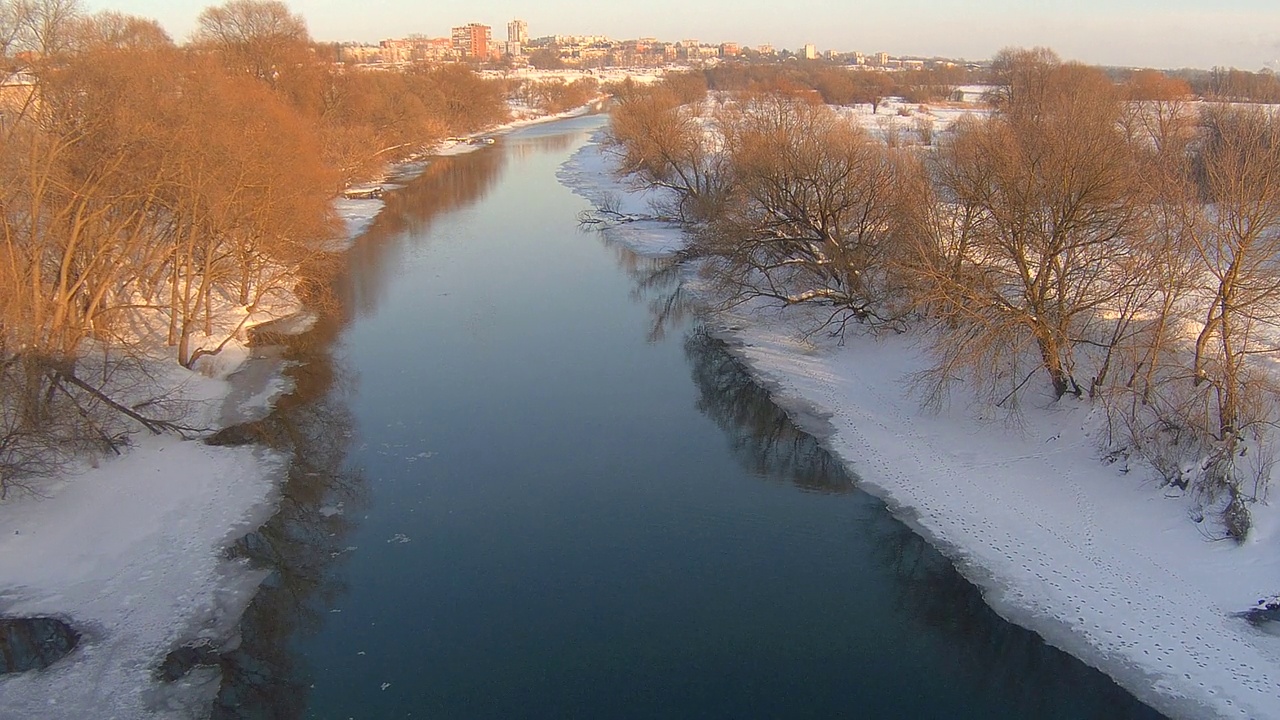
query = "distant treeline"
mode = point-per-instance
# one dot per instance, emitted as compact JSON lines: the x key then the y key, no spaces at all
{"x":1234,"y":85}
{"x":837,"y":84}
{"x":825,"y":81}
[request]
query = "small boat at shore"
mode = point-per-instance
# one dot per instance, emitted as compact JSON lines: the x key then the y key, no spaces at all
{"x":362,"y":193}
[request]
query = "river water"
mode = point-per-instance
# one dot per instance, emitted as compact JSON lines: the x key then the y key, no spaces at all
{"x":514,"y":494}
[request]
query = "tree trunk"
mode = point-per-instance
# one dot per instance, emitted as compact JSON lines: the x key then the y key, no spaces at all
{"x":1053,"y":364}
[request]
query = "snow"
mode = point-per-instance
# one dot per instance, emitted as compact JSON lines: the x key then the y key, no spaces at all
{"x":130,"y":553}
{"x":896,"y":117}
{"x":1102,"y":563}
{"x":588,"y":174}
{"x":357,"y":214}
{"x":467,"y":143}
{"x":129,"y":550}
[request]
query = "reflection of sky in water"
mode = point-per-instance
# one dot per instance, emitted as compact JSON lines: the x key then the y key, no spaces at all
{"x":549,"y":508}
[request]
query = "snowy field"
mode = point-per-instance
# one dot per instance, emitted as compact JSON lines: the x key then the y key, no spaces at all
{"x":1101,"y":562}
{"x":900,"y":123}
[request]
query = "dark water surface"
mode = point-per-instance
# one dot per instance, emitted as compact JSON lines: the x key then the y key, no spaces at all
{"x":511,"y":498}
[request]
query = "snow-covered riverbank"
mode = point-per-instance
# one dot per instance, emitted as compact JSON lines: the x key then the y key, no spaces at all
{"x":1101,"y":562}
{"x":459,"y":146}
{"x":131,"y":551}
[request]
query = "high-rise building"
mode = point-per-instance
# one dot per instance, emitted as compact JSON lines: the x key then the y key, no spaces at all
{"x":472,"y":40}
{"x":810,"y":52}
{"x":518,"y":32}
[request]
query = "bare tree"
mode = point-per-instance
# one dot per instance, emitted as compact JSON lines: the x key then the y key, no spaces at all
{"x":924,"y":128}
{"x":810,"y":215}
{"x":43,"y":28}
{"x":1158,"y":114}
{"x":245,"y":199}
{"x":664,"y":144}
{"x":1031,"y":256}
{"x":11,"y":23}
{"x":1021,"y":77}
{"x":260,"y":37}
{"x":1237,"y":243}
{"x":123,"y":32}
{"x":556,"y":96}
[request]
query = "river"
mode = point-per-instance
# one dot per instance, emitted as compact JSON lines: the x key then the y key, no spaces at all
{"x":519,"y":492}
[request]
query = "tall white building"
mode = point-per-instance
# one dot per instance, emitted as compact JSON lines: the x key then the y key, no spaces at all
{"x":518,"y":32}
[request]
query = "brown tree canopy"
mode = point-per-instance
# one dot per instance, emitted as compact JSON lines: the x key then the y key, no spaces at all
{"x":260,"y":37}
{"x":1153,"y":85}
{"x":662,"y":143}
{"x":145,"y":186}
{"x":1035,"y":234}
{"x":122,"y":32}
{"x":809,"y":215}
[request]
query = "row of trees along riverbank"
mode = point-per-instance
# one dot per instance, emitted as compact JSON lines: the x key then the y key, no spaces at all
{"x":146,"y":184}
{"x":1079,"y":238}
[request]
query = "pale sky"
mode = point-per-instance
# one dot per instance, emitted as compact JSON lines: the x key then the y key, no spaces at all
{"x":1152,"y":33}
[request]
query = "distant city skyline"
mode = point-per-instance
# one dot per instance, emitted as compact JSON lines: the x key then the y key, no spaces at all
{"x":1167,"y":34}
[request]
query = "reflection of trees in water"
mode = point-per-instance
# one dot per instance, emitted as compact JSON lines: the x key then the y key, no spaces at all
{"x":445,"y":184}
{"x":314,"y":427}
{"x":528,"y":145}
{"x":762,"y":435}
{"x":997,"y":658}
{"x":658,"y":282}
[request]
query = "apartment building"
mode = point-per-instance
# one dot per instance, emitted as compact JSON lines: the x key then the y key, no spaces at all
{"x":472,"y":41}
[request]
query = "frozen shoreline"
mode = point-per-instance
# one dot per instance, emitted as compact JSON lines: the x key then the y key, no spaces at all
{"x":1101,"y":563}
{"x":130,"y":553}
{"x":447,"y":147}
